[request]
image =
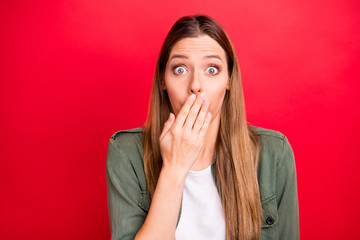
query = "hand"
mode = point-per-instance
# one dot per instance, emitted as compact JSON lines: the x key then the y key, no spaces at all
{"x":182,"y":139}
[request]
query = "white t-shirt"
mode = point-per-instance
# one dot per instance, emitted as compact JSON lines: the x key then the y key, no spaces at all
{"x":202,"y":216}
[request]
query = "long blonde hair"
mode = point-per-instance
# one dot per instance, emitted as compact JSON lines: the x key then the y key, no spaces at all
{"x":236,"y":145}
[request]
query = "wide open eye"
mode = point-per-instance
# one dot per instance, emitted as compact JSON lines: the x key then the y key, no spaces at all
{"x":212,"y":70}
{"x":179,"y":70}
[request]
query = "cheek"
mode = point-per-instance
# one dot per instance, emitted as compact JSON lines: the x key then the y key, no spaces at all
{"x":177,"y":99}
{"x":177,"y":93}
{"x":216,"y":97}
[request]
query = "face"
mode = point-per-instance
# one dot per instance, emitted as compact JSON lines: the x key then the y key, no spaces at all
{"x":197,"y":65}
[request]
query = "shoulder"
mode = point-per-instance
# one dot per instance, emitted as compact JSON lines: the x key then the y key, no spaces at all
{"x":268,"y":135}
{"x":127,"y":138}
{"x":125,"y":157}
{"x":271,"y":142}
{"x":125,"y":147}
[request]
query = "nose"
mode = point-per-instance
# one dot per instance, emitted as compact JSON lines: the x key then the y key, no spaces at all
{"x":195,"y":84}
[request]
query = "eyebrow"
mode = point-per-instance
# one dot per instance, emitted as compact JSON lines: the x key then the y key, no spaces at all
{"x":183,"y":56}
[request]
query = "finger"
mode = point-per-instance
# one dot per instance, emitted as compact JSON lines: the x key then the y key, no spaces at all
{"x":180,"y":118}
{"x":201,"y":117}
{"x":167,"y":125}
{"x":193,"y":113}
{"x":205,"y":126}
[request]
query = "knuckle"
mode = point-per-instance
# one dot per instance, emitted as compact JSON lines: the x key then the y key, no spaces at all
{"x":173,"y":131}
{"x":204,"y":109}
{"x":187,"y":104}
{"x":197,"y":122}
{"x":192,"y":114}
{"x":202,"y":131}
{"x":186,"y":137}
{"x":183,"y":114}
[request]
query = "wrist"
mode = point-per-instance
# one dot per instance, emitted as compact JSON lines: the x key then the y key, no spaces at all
{"x":175,"y":175}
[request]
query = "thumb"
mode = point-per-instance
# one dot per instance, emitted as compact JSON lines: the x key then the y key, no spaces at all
{"x":167,"y":125}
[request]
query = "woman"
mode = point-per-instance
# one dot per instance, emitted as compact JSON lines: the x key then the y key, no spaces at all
{"x":198,"y":170}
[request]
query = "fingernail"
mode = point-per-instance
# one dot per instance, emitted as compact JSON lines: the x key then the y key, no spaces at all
{"x":193,"y":96}
{"x":171,"y":117}
{"x":200,"y":96}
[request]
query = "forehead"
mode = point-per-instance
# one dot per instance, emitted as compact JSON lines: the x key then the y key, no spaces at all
{"x":198,"y":46}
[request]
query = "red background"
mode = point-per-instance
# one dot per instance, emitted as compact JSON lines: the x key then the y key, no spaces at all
{"x":74,"y":72}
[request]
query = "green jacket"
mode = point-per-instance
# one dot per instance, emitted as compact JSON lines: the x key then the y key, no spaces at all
{"x":129,"y":202}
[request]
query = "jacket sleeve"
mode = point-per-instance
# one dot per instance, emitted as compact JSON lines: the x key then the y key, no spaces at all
{"x":286,"y":194}
{"x":123,"y":192}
